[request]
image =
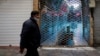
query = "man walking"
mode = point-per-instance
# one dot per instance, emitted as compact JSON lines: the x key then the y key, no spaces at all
{"x":30,"y":35}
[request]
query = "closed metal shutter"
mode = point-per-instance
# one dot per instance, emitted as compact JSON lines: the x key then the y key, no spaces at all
{"x":12,"y":14}
{"x":97,"y":23}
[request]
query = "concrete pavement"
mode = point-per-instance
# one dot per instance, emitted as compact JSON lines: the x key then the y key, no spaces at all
{"x":55,"y":51}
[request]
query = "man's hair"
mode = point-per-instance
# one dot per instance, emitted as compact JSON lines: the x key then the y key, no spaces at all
{"x":33,"y":13}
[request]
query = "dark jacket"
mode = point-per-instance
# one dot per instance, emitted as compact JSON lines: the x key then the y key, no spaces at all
{"x":30,"y":35}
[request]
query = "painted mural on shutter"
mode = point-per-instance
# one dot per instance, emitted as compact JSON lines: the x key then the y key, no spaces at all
{"x":62,"y":22}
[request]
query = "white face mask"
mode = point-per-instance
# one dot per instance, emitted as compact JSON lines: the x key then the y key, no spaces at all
{"x":36,"y":19}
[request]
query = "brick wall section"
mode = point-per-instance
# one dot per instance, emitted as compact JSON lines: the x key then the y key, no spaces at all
{"x":35,"y":4}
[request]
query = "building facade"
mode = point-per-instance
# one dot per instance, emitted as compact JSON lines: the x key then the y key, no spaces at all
{"x":14,"y":12}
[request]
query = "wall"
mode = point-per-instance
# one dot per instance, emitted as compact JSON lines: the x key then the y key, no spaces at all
{"x":97,"y":23}
{"x":12,"y":14}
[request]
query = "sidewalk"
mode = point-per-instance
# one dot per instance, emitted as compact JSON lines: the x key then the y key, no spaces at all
{"x":46,"y":51}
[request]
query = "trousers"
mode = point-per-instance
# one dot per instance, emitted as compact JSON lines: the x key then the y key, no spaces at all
{"x":32,"y":52}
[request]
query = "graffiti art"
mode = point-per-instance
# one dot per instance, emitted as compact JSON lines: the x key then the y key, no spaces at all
{"x":64,"y":22}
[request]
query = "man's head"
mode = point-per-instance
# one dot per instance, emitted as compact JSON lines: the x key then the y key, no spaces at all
{"x":35,"y":14}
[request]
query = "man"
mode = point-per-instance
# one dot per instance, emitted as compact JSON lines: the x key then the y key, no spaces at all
{"x":30,"y":35}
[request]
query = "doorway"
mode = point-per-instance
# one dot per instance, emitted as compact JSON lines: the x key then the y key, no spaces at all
{"x":64,"y":23}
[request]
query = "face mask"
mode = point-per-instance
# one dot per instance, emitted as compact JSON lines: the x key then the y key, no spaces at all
{"x":36,"y":19}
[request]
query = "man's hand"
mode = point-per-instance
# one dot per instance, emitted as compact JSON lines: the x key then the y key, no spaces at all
{"x":21,"y":50}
